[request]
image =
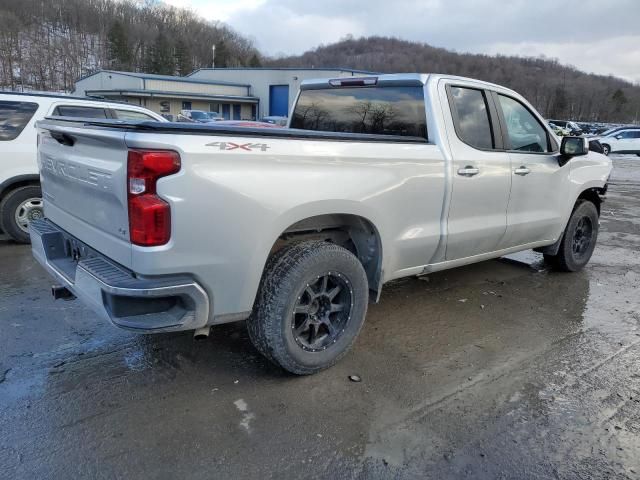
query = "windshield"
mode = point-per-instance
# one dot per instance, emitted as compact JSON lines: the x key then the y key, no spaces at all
{"x":606,"y":133}
{"x":213,"y":115}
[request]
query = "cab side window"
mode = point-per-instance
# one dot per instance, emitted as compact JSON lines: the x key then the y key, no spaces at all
{"x":14,"y":116}
{"x":471,"y":117}
{"x":133,"y":115}
{"x":525,"y":132}
{"x":79,"y":112}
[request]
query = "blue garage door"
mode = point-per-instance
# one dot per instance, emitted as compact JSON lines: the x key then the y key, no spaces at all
{"x":279,"y":100}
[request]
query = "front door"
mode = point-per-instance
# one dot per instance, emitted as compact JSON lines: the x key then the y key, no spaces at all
{"x":538,"y":188}
{"x":236,"y":112}
{"x":481,"y":173}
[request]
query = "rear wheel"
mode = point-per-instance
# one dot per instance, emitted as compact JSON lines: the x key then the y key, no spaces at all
{"x":18,"y":208}
{"x":606,"y":149}
{"x":579,"y":239}
{"x":310,"y":308}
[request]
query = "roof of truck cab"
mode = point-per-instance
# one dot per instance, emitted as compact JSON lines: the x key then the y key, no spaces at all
{"x":403,"y":78}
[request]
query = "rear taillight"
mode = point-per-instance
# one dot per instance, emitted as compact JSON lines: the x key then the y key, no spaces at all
{"x":149,"y":215}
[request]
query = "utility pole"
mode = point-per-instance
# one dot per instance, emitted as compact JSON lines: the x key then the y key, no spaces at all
{"x":213,"y":56}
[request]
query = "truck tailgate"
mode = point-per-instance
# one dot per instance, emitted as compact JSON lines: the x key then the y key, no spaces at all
{"x":84,"y":184}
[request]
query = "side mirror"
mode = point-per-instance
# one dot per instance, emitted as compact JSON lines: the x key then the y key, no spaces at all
{"x":574,"y":146}
{"x":618,"y":137}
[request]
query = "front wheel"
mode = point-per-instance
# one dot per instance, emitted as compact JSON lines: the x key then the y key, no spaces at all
{"x":606,"y":149}
{"x":310,"y":308}
{"x":18,"y":208}
{"x":579,"y":239}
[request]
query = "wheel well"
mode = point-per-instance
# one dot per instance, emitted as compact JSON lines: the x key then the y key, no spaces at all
{"x":355,"y":233}
{"x":592,"y":195}
{"x":17,"y":183}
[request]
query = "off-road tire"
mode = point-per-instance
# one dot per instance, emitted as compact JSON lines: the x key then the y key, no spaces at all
{"x":286,"y":274}
{"x":8,"y":206}
{"x":567,"y":260}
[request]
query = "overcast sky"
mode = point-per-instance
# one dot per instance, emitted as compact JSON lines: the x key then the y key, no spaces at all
{"x":601,"y":36}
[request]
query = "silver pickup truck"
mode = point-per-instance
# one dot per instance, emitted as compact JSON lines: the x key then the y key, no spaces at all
{"x":163,"y":227}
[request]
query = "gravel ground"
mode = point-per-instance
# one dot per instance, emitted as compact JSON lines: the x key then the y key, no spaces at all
{"x":502,"y":369}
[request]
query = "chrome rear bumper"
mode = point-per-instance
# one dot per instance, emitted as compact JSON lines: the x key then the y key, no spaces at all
{"x":130,"y":301}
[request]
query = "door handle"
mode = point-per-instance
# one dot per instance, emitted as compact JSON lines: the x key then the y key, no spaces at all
{"x":522,"y":171}
{"x":468,"y":171}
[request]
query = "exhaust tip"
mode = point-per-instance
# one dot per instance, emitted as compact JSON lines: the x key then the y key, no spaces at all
{"x":201,"y":333}
{"x":60,"y":292}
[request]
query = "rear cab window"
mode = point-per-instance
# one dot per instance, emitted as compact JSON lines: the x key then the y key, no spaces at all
{"x":389,"y":110}
{"x":14,"y":116}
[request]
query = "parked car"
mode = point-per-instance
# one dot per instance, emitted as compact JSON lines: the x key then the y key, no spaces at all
{"x":215,"y":116}
{"x":561,"y":132}
{"x":198,"y":116}
{"x":622,"y":140}
{"x":571,"y":127}
{"x":282,"y":121}
{"x":588,"y":128}
{"x":20,"y":195}
{"x":297,"y":229}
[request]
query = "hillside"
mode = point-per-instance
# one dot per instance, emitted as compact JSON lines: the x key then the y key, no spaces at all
{"x":48,"y":44}
{"x":558,"y":91}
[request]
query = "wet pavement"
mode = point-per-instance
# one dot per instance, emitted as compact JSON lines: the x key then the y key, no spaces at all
{"x":503,"y":369}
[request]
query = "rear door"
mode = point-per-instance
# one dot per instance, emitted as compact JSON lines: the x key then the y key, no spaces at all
{"x":538,"y":189}
{"x":481,"y":172}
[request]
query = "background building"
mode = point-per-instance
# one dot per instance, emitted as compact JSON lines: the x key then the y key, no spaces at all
{"x":235,"y":93}
{"x":168,"y":95}
{"x":275,"y":87}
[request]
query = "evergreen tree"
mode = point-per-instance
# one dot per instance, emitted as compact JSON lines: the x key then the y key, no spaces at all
{"x":619,"y":100}
{"x":255,"y":61}
{"x":183,"y":58}
{"x":118,"y":47}
{"x":161,"y":61}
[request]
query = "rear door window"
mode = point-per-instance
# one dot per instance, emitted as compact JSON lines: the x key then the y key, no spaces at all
{"x":79,"y":111}
{"x":14,"y":116}
{"x":375,"y":110}
{"x":471,"y":117}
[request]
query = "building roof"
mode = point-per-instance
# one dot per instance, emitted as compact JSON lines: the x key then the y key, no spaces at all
{"x":332,"y":69}
{"x":171,"y":78}
{"x":162,"y":93}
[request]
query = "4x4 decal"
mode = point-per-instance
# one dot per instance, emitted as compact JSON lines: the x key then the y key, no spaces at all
{"x":239,"y":146}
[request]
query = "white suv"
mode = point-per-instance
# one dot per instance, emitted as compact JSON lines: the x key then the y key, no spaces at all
{"x":20,"y":195}
{"x":621,"y":141}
